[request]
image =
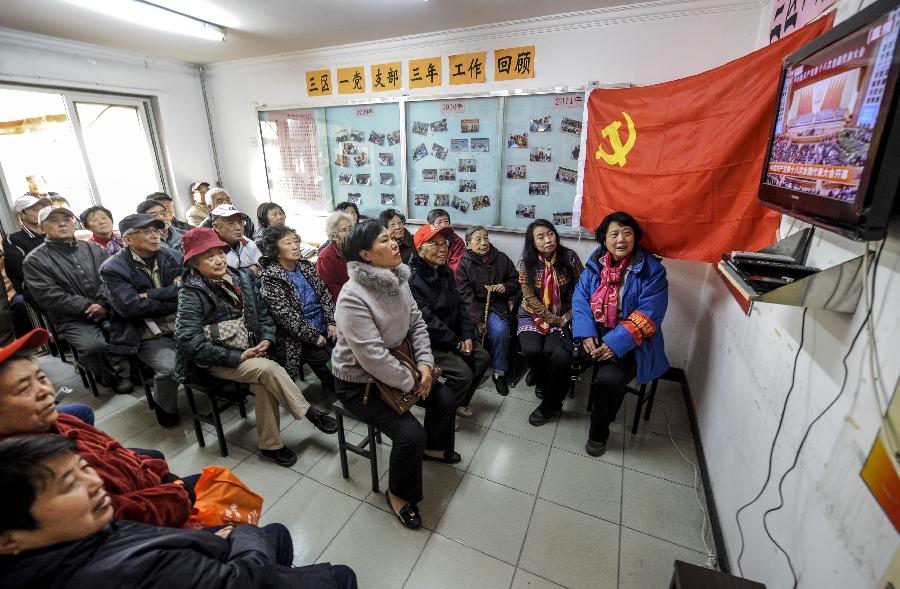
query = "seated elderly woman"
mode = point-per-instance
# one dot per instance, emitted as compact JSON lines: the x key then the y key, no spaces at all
{"x":331,"y":265}
{"x":484,"y":269}
{"x":140,"y":487}
{"x":100,"y":222}
{"x":269,"y":214}
{"x":224,"y":328}
{"x":376,"y":313}
{"x":454,"y":342}
{"x":548,"y":273}
{"x":300,"y":304}
{"x":617,"y":313}
{"x":58,"y":530}
{"x":395,"y":222}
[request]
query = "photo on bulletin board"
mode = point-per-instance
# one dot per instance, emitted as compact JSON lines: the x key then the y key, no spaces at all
{"x":451,"y":163}
{"x":540,"y":159}
{"x":364,"y":151}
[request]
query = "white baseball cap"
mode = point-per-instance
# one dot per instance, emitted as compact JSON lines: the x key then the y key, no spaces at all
{"x":29,"y":200}
{"x":225,"y":211}
{"x":47,"y":211}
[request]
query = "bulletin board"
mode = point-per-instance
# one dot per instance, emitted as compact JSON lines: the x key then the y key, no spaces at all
{"x":541,"y":147}
{"x":365,"y":156}
{"x":499,"y":161}
{"x":452,"y":158}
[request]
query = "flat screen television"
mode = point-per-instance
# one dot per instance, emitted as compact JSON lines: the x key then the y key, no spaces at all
{"x":834,"y":152}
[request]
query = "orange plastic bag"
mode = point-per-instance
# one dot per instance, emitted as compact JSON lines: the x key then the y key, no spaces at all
{"x":223,"y":499}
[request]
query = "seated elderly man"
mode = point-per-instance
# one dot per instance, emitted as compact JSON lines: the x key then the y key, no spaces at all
{"x":140,"y":488}
{"x":167,"y":201}
{"x":19,"y":244}
{"x":170,"y":235}
{"x":63,"y":276}
{"x":457,"y":248}
{"x":142,"y":286}
{"x":217,"y":197}
{"x":453,"y":337}
{"x":228,"y":223}
{"x":59,"y":530}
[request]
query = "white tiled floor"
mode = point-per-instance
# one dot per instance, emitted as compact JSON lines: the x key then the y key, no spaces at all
{"x":526,"y":507}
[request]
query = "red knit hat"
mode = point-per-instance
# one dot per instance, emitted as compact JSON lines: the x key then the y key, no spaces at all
{"x":199,"y":240}
{"x":30,"y":341}
{"x":426,"y":232}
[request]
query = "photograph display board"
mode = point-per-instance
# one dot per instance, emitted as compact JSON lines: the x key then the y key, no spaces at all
{"x":540,"y":148}
{"x":365,"y":156}
{"x":452,"y":158}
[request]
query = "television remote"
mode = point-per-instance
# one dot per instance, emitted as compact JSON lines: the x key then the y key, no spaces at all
{"x":763,"y":256}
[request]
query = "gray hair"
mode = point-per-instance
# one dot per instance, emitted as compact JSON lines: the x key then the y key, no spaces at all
{"x":208,"y":197}
{"x":331,"y":223}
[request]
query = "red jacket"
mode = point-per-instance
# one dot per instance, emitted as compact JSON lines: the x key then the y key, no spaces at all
{"x":332,"y":269}
{"x":457,"y":251}
{"x":134,"y":482}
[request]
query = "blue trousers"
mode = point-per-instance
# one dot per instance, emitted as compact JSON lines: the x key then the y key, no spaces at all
{"x":82,"y":412}
{"x":498,"y":334}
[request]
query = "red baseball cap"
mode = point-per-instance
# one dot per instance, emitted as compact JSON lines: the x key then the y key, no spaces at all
{"x":30,"y":341}
{"x":426,"y":232}
{"x":199,"y":240}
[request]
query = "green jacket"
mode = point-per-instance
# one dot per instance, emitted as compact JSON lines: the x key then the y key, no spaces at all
{"x":201,"y":304}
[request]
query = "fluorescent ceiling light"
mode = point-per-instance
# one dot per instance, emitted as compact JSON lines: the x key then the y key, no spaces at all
{"x":158,"y":17}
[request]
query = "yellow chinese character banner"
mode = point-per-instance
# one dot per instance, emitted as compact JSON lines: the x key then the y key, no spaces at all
{"x":351,"y":80}
{"x":318,"y":83}
{"x":386,"y":76}
{"x":467,"y":68}
{"x":516,"y":63}
{"x":424,"y":73}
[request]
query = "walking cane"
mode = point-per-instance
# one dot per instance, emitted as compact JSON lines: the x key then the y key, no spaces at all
{"x":487,"y":309}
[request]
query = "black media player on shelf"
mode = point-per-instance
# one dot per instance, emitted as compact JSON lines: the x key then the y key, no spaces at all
{"x":834,"y":152}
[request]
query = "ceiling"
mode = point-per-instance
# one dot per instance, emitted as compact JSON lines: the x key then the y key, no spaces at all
{"x":268,"y":27}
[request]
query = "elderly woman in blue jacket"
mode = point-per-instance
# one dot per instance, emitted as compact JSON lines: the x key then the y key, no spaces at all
{"x":617,"y":313}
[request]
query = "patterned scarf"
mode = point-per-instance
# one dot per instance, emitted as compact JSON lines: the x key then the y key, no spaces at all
{"x":550,"y":284}
{"x":605,"y":300}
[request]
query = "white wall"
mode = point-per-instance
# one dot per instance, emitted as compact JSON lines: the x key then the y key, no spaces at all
{"x":643,"y":44}
{"x":739,"y":371}
{"x":180,"y":114}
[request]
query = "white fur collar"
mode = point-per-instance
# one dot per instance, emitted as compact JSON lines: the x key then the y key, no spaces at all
{"x":382,"y":280}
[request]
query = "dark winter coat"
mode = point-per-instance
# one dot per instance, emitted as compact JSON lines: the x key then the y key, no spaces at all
{"x":63,"y":278}
{"x":125,"y":279}
{"x":475,"y":272}
{"x":128,"y":554}
{"x":200,"y":304}
{"x":293,"y":331}
{"x":443,"y":310}
{"x":15,"y":248}
{"x":407,"y":247}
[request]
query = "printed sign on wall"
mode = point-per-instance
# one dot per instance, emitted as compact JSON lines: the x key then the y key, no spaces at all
{"x":516,"y":63}
{"x":467,"y":68}
{"x":318,"y":83}
{"x":424,"y":73}
{"x":351,"y":80}
{"x":386,"y":76}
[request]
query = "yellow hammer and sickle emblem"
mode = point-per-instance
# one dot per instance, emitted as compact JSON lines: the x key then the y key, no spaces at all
{"x":611,"y":132}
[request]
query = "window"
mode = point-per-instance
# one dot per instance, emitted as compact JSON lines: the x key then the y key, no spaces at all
{"x":90,"y":149}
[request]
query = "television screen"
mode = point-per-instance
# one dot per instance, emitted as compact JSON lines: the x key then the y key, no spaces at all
{"x":830,"y":118}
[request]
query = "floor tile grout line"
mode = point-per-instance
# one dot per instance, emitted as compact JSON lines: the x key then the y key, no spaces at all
{"x":700,"y":552}
{"x":339,"y":530}
{"x":534,"y":505}
{"x":621,"y":518}
{"x":418,"y":557}
{"x":530,"y":572}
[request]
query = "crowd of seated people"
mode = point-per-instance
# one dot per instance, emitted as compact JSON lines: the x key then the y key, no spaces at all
{"x":211,"y":305}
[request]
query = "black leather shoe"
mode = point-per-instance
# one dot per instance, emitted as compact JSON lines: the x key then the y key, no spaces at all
{"x":323,"y":422}
{"x":595,"y":448}
{"x":500,"y":385}
{"x":166,"y":420}
{"x":409,"y":513}
{"x":539,"y":418}
{"x":283,"y":456}
{"x":539,"y":392}
{"x":450,"y":457}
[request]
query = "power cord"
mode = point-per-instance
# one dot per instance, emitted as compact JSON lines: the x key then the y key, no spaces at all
{"x":711,"y":558}
{"x":787,"y":398}
{"x":815,"y":420}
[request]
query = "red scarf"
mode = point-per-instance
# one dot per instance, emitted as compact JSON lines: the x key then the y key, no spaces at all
{"x":605,"y":300}
{"x":549,"y":284}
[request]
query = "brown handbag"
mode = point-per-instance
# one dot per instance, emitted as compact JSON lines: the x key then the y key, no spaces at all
{"x":399,"y":400}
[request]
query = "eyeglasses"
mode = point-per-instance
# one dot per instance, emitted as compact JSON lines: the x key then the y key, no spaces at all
{"x":437,"y":244}
{"x":143,"y":231}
